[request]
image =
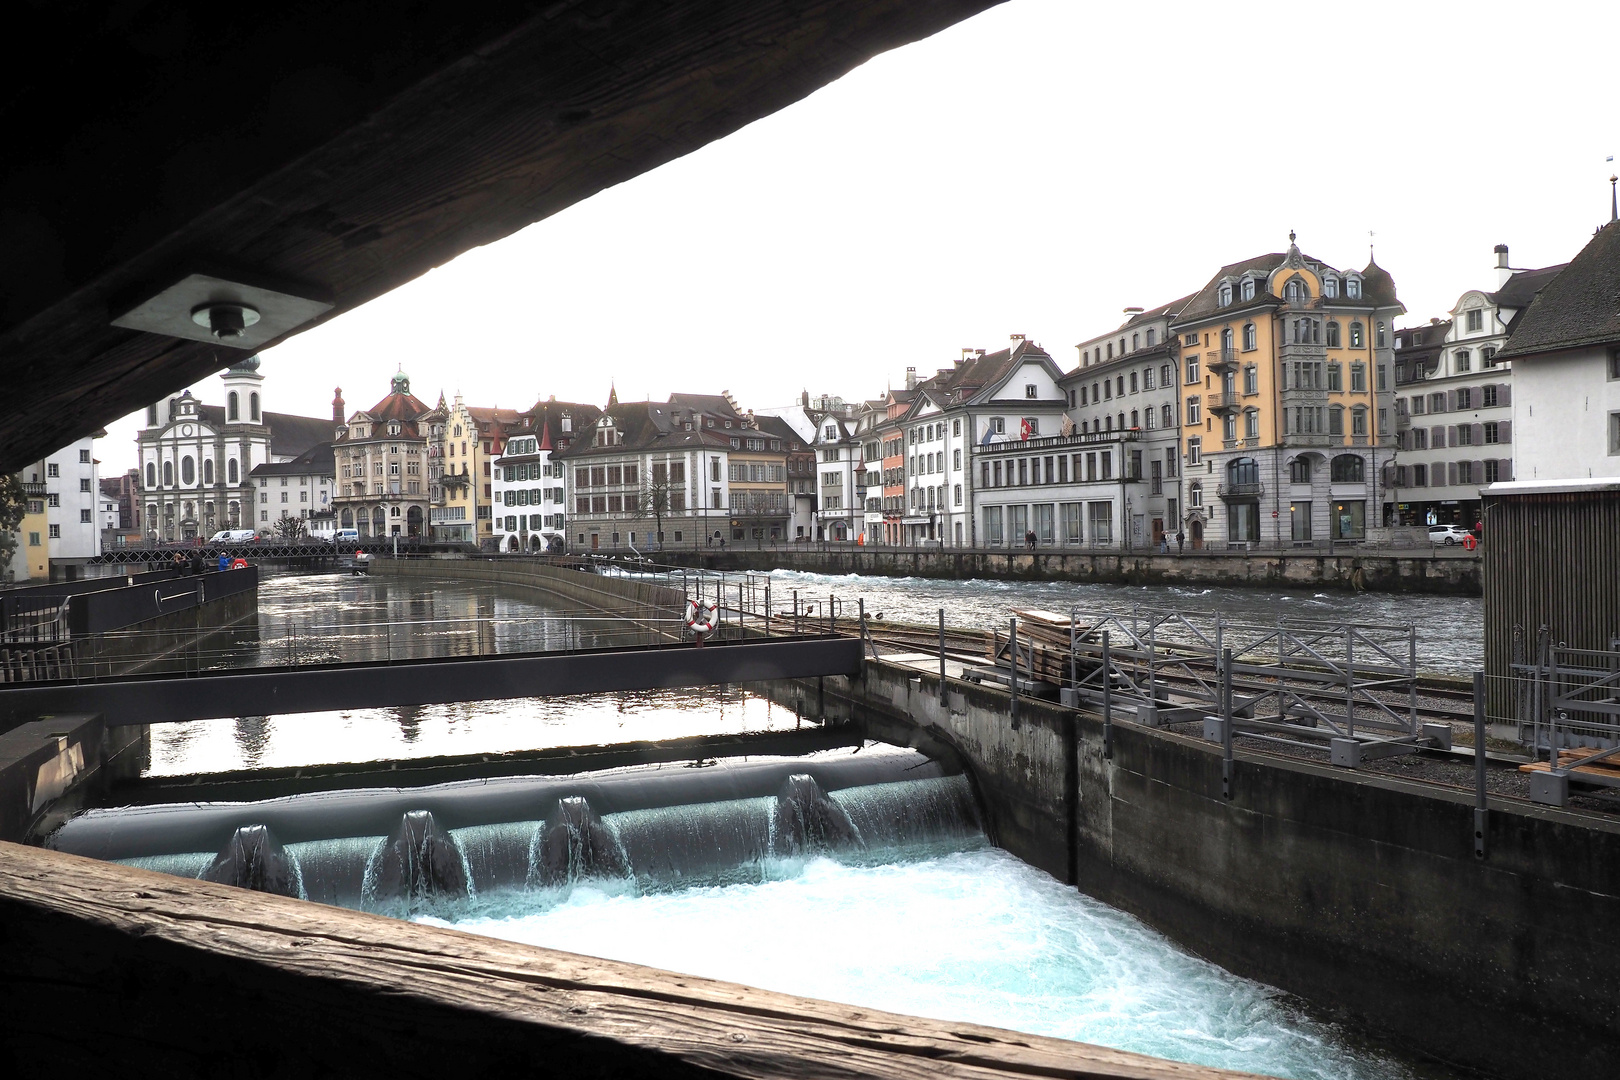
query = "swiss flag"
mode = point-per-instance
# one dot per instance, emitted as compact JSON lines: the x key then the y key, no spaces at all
{"x":1023,"y":429}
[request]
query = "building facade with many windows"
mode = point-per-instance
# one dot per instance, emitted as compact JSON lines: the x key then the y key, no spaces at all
{"x":530,"y":486}
{"x":1454,"y":402}
{"x":196,"y":460}
{"x":381,"y":457}
{"x":1287,"y":398}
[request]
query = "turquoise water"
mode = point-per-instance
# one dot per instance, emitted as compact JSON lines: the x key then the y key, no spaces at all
{"x":971,"y":935}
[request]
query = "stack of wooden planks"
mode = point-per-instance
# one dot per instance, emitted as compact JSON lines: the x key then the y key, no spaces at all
{"x":1605,"y":771}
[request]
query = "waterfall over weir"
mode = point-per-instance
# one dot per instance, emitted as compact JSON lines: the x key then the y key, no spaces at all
{"x":647,"y":827}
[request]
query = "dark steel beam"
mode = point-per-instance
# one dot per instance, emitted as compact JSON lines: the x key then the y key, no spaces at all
{"x":160,"y":699}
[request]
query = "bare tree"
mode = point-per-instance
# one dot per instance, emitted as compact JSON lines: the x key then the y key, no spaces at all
{"x":656,"y":489}
{"x":291,"y":528}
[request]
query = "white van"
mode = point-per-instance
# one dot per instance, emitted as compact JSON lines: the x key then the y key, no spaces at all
{"x":345,"y":536}
{"x":233,"y":536}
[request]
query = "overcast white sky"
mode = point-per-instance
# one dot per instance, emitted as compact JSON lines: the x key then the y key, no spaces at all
{"x":1033,"y":170}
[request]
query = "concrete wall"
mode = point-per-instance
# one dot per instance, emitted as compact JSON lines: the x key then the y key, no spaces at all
{"x":1361,"y":894}
{"x":1454,"y":574}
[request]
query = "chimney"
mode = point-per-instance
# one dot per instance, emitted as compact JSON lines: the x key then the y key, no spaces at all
{"x":804,"y":399}
{"x":1503,"y":271}
{"x":911,"y":378}
{"x":977,"y":353}
{"x":1018,"y":337}
{"x":1133,"y":311}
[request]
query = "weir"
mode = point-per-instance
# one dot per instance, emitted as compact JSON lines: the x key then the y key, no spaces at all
{"x":652,"y":826}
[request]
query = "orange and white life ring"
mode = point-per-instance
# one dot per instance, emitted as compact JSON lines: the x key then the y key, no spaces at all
{"x":238,"y":564}
{"x":702,"y":616}
{"x":1469,"y":543}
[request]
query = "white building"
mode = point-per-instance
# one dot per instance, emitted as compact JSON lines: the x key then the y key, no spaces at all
{"x":64,"y":497}
{"x":1063,"y":490}
{"x":1565,"y":351}
{"x":196,"y":459}
{"x":298,"y":489}
{"x":1129,"y":380}
{"x":530,"y":493}
{"x":840,"y":513}
{"x":1454,"y":401}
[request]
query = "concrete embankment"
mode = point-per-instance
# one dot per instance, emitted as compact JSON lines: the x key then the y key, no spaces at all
{"x":1425,"y":572}
{"x":597,"y":592}
{"x":1360,"y":893}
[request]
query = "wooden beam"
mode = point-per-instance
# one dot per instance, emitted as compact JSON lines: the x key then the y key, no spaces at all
{"x":345,"y":147}
{"x":139,"y":974}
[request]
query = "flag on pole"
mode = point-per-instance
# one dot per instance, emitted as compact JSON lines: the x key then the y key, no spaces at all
{"x":1023,"y":430}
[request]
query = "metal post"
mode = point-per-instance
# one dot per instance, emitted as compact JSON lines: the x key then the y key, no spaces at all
{"x":1411,"y":670}
{"x":1350,"y":680}
{"x":767,"y":607}
{"x":1226,"y":723}
{"x":832,"y":615}
{"x":941,"y":654}
{"x":1108,"y":699}
{"x":1153,"y":664}
{"x":1480,"y":811}
{"x":1073,"y":675}
{"x":795,"y":611}
{"x":1012,"y":651}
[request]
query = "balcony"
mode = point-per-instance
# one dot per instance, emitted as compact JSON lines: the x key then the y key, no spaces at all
{"x":1241,"y":491}
{"x":35,"y":490}
{"x":1224,"y":362}
{"x":1403,"y":421}
{"x":1223,"y":402}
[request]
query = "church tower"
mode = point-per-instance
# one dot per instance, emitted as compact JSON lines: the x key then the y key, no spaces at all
{"x":244,"y":392}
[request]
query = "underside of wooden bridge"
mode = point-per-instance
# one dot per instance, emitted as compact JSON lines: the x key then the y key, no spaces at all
{"x":332,"y":150}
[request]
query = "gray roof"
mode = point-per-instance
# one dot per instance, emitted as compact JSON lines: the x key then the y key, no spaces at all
{"x":289,"y":435}
{"x":316,"y":461}
{"x":1579,"y":307}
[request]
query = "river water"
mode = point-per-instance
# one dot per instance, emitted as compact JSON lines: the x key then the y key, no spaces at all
{"x":972,"y":935}
{"x":1450,"y":629}
{"x":967,"y":932}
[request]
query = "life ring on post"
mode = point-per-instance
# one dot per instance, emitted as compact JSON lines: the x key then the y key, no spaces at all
{"x":702,"y":617}
{"x":238,"y":564}
{"x":1469,"y":543}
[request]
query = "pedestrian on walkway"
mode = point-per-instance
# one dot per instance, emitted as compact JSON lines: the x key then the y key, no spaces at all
{"x":1181,"y":538}
{"x":1029,"y":538}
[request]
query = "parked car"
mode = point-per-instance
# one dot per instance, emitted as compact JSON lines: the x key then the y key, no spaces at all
{"x":234,"y":536}
{"x":1448,"y":535}
{"x":344,"y":537}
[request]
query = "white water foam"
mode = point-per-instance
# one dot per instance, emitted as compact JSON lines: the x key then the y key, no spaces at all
{"x":973,"y":936}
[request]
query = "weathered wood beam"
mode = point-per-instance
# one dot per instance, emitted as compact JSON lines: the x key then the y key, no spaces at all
{"x":141,"y":974}
{"x":345,"y":147}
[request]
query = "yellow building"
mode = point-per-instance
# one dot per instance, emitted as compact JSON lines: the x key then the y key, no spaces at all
{"x":1286,"y":402}
{"x":32,"y":559}
{"x":472,"y":439}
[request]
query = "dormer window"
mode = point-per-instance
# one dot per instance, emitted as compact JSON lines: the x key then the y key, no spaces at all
{"x":393,"y":429}
{"x":1224,"y":293}
{"x":567,"y":422}
{"x":1330,"y":286}
{"x":1248,"y":288}
{"x":1294,"y":291}
{"x":1352,"y":288}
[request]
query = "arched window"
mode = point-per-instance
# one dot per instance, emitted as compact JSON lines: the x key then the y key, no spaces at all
{"x":1136,"y":420}
{"x":1110,"y":422}
{"x":236,"y":514}
{"x":188,"y":471}
{"x":1352,"y":287}
{"x":208,"y":472}
{"x":1382,"y":339}
{"x":348,"y":518}
{"x":1299,"y":470}
{"x":1250,"y":335}
{"x":1251,"y":423}
{"x":1226,"y":340}
{"x":1225,"y":292}
{"x":151,"y":475}
{"x":1122,"y":419}
{"x":1294,"y":292}
{"x":393,"y":511}
{"x":231,"y":412}
{"x":1195,"y":493}
{"x":1243,"y":472}
{"x":1358,"y":420}
{"x":1332,"y":334}
{"x":1348,"y":469}
{"x":1357,"y":336}
{"x":168,"y":474}
{"x":1165,"y":419}
{"x":1488,"y":356}
{"x":253,"y":407}
{"x":231,"y":475}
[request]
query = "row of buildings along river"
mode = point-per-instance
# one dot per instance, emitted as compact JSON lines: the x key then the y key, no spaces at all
{"x":1283,"y":401}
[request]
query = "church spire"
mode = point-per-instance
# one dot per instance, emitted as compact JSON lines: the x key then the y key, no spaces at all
{"x":613,"y":394}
